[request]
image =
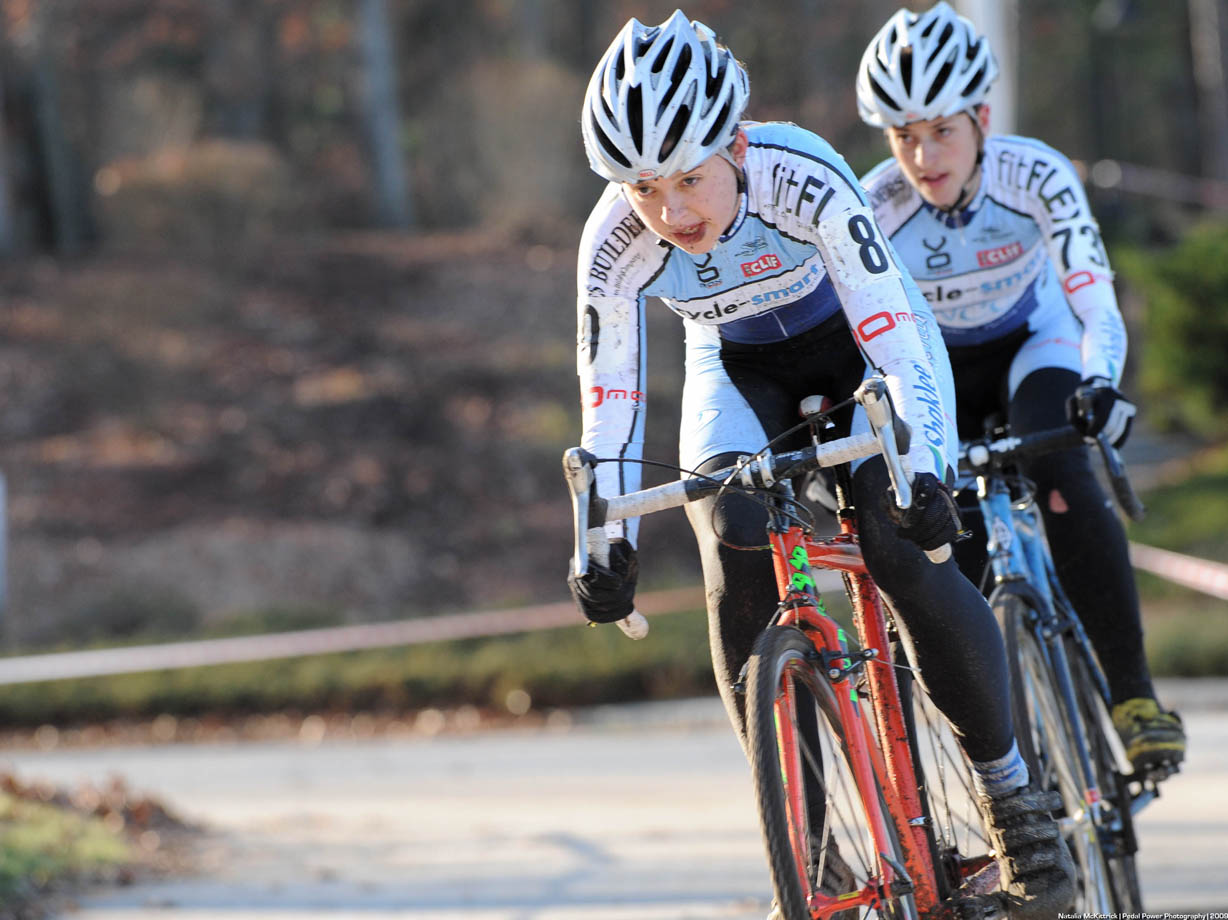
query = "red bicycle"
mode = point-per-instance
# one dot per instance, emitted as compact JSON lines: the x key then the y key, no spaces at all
{"x":865,"y":798}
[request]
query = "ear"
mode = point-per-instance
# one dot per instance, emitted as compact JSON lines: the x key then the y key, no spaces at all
{"x":739,"y":146}
{"x":982,"y":116}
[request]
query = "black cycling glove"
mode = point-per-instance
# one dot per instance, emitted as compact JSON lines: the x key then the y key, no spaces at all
{"x":1098,"y":406}
{"x":933,"y":519}
{"x":607,"y":592}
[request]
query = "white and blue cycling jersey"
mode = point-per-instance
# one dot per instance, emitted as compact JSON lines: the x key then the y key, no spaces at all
{"x":1025,"y":254}
{"x":803,"y":247}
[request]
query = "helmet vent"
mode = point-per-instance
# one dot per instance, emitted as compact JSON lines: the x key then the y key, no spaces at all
{"x":939,"y":82}
{"x":672,"y":136}
{"x":941,"y":45}
{"x":715,"y":131}
{"x":681,"y":67}
{"x":609,"y":147}
{"x":883,"y":96}
{"x":635,"y":116}
{"x":973,"y":84}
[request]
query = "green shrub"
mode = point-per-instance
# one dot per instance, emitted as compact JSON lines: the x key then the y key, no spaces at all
{"x":1182,"y":368}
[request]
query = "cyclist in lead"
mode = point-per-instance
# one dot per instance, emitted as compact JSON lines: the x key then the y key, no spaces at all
{"x":759,"y":237}
{"x":999,"y":236}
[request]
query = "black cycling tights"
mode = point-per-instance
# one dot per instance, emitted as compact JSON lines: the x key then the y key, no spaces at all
{"x":1087,"y":538}
{"x":946,"y":624}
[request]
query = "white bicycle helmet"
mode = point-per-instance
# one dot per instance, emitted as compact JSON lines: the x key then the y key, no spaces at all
{"x":663,"y":99}
{"x":922,"y":66}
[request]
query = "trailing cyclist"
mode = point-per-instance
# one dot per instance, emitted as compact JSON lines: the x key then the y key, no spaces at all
{"x":998,"y":233}
{"x":759,"y":237}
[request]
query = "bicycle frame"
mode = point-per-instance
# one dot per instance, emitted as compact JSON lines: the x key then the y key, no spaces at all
{"x":878,"y":754}
{"x":1019,"y":555}
{"x":794,"y":555}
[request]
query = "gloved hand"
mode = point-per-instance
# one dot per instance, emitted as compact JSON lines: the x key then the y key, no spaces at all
{"x":607,"y":592}
{"x":1098,"y":406}
{"x":933,"y":519}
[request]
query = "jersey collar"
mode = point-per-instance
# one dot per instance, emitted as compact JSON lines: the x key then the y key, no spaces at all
{"x":743,"y":205}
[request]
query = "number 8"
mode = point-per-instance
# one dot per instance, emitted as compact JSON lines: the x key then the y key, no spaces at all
{"x":872,"y":255}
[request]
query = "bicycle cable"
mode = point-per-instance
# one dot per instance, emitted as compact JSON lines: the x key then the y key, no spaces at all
{"x":787,"y":506}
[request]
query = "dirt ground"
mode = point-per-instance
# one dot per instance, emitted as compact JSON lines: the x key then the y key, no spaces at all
{"x":364,"y":424}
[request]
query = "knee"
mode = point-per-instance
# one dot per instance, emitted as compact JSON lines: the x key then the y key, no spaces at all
{"x":727,"y":519}
{"x":1065,"y":482}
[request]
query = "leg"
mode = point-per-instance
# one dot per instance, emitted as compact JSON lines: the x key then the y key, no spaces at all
{"x":956,"y":645}
{"x":950,"y":631}
{"x":740,"y":584}
{"x":719,"y":423}
{"x":1091,"y":555}
{"x":1088,"y":541}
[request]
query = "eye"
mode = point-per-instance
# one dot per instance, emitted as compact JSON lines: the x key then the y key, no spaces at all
{"x":642,"y":191}
{"x":690,"y":180}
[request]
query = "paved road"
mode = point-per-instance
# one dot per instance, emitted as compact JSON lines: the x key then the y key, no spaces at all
{"x":636,"y":812}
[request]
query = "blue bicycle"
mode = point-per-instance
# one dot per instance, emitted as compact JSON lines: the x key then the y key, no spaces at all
{"x":1059,"y":691}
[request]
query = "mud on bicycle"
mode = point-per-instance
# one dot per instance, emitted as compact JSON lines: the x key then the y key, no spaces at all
{"x":865,"y":798}
{"x":1060,"y":694}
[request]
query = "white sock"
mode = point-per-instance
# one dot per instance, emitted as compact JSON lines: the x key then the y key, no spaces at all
{"x":999,"y":778}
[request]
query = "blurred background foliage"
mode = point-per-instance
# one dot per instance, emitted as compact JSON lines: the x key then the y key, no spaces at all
{"x":287,"y":308}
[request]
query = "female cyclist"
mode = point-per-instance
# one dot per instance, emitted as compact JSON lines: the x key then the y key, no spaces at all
{"x":759,"y":237}
{"x":998,"y":234}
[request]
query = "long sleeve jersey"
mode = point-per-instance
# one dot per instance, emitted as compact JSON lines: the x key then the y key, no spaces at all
{"x":1025,"y":248}
{"x":804,"y":245}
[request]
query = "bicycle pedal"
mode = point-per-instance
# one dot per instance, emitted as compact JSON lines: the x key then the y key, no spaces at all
{"x":976,"y":907}
{"x":1157,"y":773}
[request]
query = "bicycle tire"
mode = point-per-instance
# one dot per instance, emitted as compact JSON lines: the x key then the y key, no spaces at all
{"x":786,"y":694}
{"x":1115,"y":820}
{"x":1043,"y":730}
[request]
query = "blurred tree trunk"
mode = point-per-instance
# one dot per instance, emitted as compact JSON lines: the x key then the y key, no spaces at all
{"x":66,"y":204}
{"x":381,"y":116}
{"x":7,"y":218}
{"x":998,"y":20}
{"x":532,"y":29}
{"x":1208,"y":35}
{"x":238,"y":61}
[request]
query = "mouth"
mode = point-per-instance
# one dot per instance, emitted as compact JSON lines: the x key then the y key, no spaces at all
{"x":689,"y":236}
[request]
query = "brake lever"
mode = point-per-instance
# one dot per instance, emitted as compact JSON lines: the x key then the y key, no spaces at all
{"x":578,"y":470}
{"x":1126,"y":496}
{"x":894,"y":438}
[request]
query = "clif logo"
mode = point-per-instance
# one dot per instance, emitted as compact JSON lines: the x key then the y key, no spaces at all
{"x":764,"y":263}
{"x":987,"y":258}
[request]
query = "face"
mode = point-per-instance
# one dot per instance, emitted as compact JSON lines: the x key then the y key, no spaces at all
{"x":691,"y":209}
{"x":939,"y":156}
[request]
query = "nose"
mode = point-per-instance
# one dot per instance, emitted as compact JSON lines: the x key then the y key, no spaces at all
{"x":673,"y":208}
{"x":925,"y":152}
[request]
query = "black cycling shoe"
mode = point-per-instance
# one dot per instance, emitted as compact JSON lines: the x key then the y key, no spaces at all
{"x":1154,"y":738}
{"x":1038,"y":874}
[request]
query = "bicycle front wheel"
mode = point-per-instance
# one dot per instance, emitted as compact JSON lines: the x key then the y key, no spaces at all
{"x":812,"y":812}
{"x":1113,"y":817}
{"x":961,"y":847}
{"x":1046,"y":741}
